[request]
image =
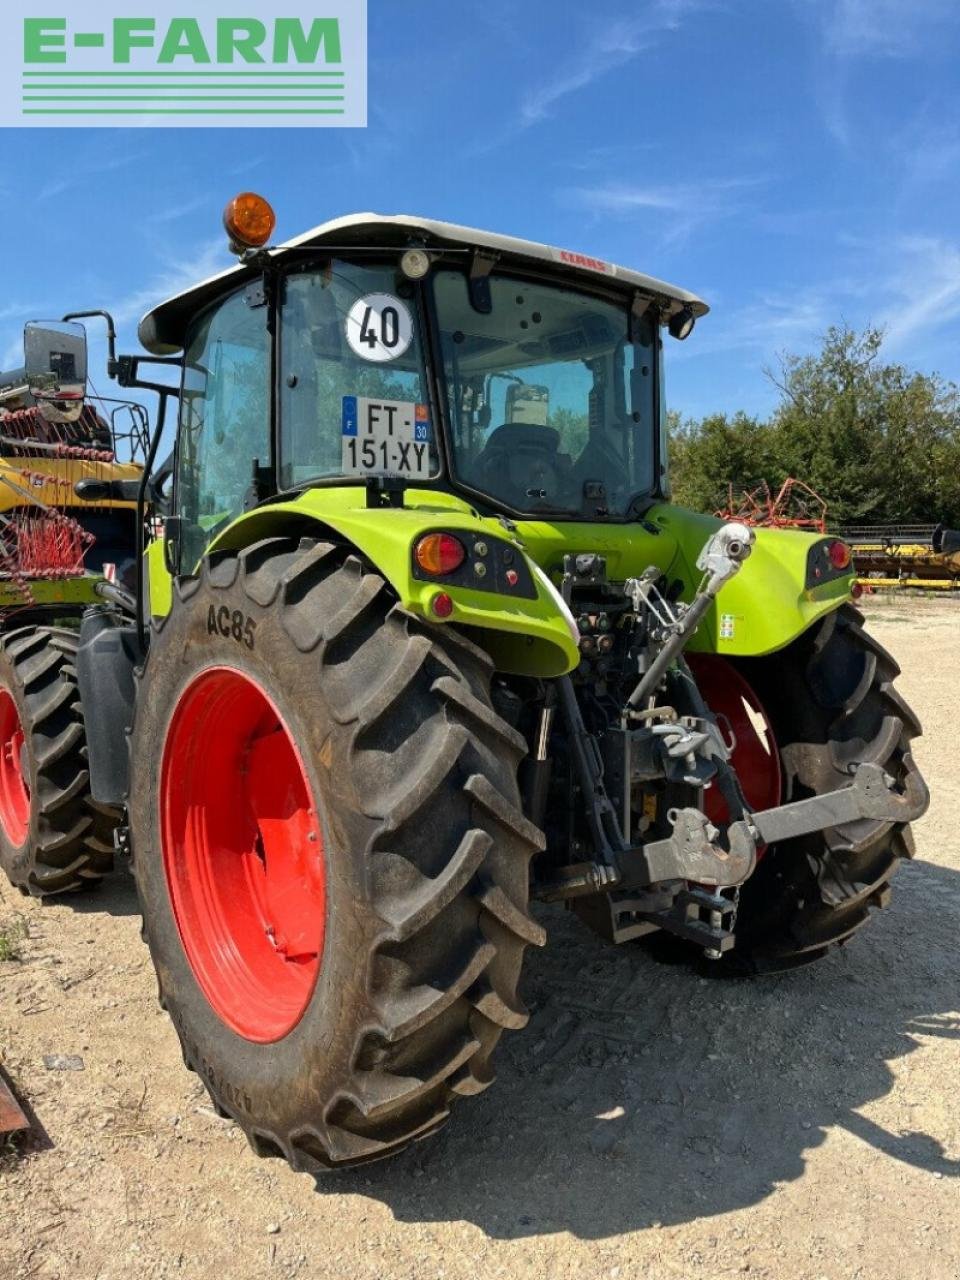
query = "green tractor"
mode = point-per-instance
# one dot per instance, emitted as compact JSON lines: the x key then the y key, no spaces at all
{"x":424,"y":641}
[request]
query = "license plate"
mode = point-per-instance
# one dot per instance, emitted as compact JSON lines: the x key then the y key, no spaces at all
{"x":386,"y":438}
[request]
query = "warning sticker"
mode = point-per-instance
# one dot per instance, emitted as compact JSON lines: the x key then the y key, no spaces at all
{"x":385,"y":438}
{"x":728,"y":626}
{"x":379,"y":327}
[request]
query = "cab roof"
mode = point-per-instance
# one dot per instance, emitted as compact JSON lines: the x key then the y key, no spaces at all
{"x":163,"y":330}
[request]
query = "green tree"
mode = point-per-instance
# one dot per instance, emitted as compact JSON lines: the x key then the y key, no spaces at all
{"x":710,"y":455}
{"x":878,"y":441}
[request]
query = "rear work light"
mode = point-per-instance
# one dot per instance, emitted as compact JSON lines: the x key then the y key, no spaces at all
{"x":438,"y":554}
{"x":840,"y":555}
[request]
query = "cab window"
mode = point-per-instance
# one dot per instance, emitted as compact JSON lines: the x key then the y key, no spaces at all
{"x":349,"y":336}
{"x":224,"y":420}
{"x":550,"y":395}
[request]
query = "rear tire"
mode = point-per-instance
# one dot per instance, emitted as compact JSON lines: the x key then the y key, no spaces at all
{"x":831,"y":701}
{"x":51,"y":838}
{"x":425,"y":850}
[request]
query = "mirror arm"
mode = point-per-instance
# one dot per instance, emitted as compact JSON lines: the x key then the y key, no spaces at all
{"x":128,"y":373}
{"x":112,"y":366}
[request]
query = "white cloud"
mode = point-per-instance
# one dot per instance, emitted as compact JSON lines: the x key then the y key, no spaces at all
{"x":880,"y":28}
{"x":615,"y":45}
{"x":928,"y":151}
{"x":177,"y":273}
{"x":688,"y":204}
{"x":13,"y":310}
{"x":768,"y":324}
{"x":713,"y":196}
{"x":79,"y":173}
{"x":12,"y":357}
{"x":170,"y":213}
{"x":908,"y":286}
{"x":851,"y":31}
{"x":923,"y":288}
{"x":13,"y":316}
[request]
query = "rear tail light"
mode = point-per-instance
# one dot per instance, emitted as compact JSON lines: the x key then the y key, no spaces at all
{"x":840,"y":555}
{"x":439,"y":553}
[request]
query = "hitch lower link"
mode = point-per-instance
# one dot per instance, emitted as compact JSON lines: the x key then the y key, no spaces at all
{"x":692,"y":852}
{"x":677,"y":885}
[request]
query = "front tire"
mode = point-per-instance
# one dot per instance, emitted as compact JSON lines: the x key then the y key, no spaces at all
{"x":409,"y":916}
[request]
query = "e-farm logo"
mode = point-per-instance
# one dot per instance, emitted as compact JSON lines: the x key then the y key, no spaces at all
{"x":107,"y":63}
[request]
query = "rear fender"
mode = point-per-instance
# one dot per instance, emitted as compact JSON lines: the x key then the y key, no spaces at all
{"x":770,"y":602}
{"x":533,"y":636}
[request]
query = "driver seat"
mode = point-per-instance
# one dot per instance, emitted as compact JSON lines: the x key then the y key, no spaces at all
{"x":507,"y":441}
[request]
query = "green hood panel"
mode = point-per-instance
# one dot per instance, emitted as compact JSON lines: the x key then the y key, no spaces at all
{"x":759,"y":611}
{"x":764,"y":607}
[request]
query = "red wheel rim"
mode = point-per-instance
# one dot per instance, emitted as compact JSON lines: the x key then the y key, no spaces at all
{"x":243,"y":854}
{"x":14,"y":792}
{"x":756,"y":756}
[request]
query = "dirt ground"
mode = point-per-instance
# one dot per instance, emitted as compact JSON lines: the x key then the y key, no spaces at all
{"x":648,"y":1122}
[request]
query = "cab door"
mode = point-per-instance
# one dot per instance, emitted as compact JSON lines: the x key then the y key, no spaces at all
{"x":224,"y":437}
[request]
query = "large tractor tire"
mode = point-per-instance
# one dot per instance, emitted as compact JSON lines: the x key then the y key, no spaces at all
{"x":829,"y":703}
{"x":52,"y":838}
{"x":330,"y":852}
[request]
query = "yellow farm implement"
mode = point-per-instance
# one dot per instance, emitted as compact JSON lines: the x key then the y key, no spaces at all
{"x":919,"y":556}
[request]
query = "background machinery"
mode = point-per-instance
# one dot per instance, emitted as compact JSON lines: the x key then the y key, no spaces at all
{"x":924,"y":556}
{"x":62,"y":535}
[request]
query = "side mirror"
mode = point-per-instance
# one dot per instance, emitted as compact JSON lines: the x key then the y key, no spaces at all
{"x":55,"y":356}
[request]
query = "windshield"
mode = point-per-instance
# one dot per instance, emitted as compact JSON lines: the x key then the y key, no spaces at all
{"x":353,"y":392}
{"x":551,"y":403}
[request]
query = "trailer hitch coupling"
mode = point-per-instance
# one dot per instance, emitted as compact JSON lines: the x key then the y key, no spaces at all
{"x":693,"y":851}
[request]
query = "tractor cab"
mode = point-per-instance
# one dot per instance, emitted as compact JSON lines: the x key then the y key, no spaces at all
{"x":422,"y":355}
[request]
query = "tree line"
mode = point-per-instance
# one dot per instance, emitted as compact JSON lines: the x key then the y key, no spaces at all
{"x":878,"y":441}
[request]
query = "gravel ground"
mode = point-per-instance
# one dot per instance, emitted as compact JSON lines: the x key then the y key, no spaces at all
{"x":648,"y":1123}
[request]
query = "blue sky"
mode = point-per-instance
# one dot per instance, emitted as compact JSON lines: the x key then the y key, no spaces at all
{"x":796,"y":162}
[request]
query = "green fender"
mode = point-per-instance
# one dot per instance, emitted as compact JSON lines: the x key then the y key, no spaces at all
{"x":768,"y":604}
{"x":762,"y":609}
{"x":524,"y":637}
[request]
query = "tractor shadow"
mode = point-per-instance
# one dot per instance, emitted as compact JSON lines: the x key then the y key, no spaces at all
{"x":642,"y":1094}
{"x":115,"y":895}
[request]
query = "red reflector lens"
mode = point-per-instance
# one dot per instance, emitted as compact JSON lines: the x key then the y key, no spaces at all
{"x":440,"y":553}
{"x":442,"y":605}
{"x":839,"y":554}
{"x":856,"y":590}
